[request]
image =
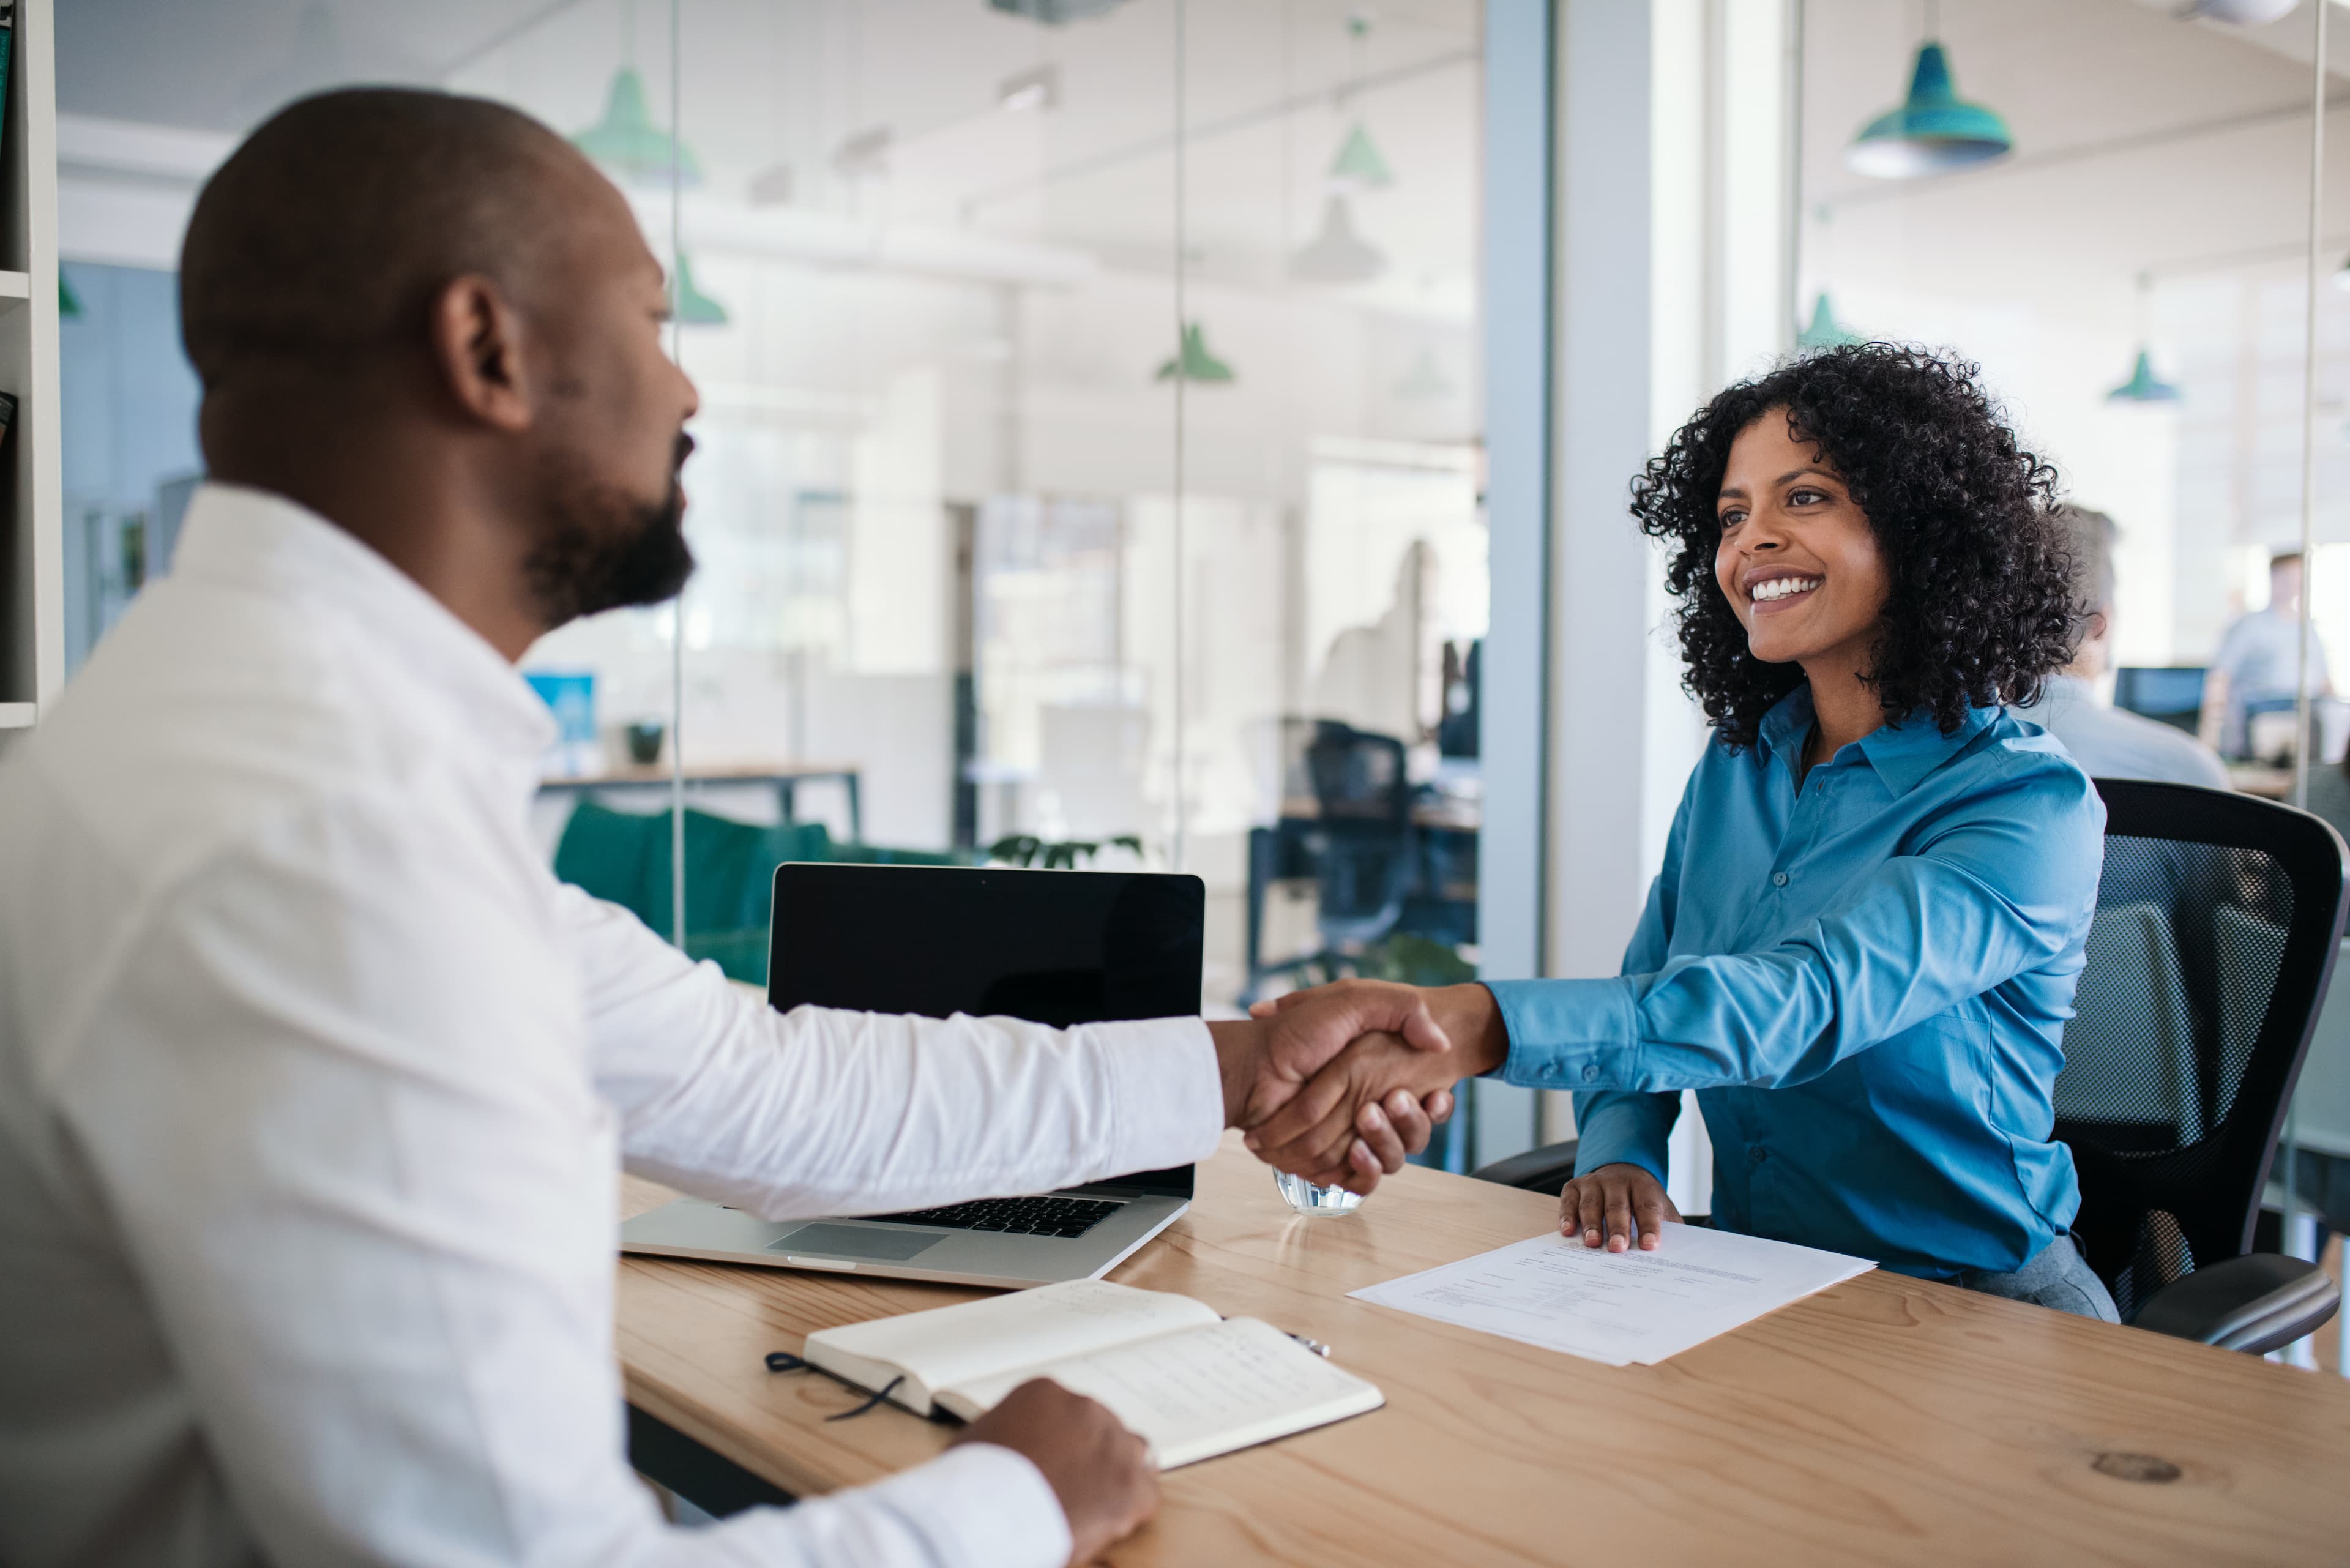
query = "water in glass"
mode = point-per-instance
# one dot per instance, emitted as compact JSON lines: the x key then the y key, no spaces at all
{"x":1310,"y":1199}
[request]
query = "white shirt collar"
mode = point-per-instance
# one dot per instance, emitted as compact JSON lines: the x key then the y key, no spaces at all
{"x":263,"y":543}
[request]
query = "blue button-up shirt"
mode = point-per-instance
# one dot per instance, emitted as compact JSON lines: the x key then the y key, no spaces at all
{"x":1866,"y":975}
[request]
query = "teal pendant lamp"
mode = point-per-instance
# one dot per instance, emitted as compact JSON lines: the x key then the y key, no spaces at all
{"x":1192,"y":362}
{"x":1933,"y":130}
{"x":1360,"y":165}
{"x":693,"y":308}
{"x":1825,"y":331}
{"x":2144,"y":386}
{"x":627,"y":142}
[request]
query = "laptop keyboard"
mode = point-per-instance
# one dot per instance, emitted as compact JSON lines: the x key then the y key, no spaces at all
{"x":1015,"y":1216}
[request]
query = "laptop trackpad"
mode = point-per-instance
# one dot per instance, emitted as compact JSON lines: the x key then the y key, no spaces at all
{"x":856,"y":1241}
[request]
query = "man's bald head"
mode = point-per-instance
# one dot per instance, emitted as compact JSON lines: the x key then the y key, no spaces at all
{"x":430,"y":321}
{"x":321,"y":241}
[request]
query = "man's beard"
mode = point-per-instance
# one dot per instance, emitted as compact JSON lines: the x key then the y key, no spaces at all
{"x":601,"y":549}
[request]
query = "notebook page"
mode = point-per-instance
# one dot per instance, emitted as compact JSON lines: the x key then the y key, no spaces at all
{"x":1194,"y":1394}
{"x":997,"y":1334}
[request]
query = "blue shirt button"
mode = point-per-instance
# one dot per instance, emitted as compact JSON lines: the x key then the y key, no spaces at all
{"x":1778,"y":878}
{"x":1757,"y":1156}
{"x":1591,"y":1072}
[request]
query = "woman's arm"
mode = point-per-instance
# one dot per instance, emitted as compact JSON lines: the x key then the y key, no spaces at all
{"x":2004,"y":886}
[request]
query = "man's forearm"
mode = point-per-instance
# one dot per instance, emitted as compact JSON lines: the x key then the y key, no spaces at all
{"x":1239,"y":1047}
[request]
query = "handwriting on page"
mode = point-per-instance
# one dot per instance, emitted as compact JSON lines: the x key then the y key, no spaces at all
{"x":1186,"y":1384}
{"x":1617,"y":1307}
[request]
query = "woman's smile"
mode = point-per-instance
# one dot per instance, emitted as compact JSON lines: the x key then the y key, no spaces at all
{"x":1774,"y":590}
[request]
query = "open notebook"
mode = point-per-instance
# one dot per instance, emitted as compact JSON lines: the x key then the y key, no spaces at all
{"x":1190,"y":1383}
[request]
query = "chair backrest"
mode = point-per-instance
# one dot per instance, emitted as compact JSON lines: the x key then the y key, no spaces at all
{"x":2218,"y":920}
{"x":1357,"y":775}
{"x":1362,"y":839}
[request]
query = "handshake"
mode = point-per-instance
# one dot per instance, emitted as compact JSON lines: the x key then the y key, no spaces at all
{"x":1338,"y":1084}
{"x":1335,"y":1085}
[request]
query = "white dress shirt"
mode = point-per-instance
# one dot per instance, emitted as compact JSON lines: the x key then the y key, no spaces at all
{"x":311,"y":1082}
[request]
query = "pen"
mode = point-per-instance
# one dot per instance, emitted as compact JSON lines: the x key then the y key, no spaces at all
{"x":1315,"y":1345}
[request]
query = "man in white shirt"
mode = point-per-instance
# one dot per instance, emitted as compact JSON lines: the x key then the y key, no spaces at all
{"x":313,"y":1080}
{"x":2110,"y":743}
{"x":2259,"y":660}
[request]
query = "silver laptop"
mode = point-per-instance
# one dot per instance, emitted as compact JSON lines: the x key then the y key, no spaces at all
{"x":1054,"y":947}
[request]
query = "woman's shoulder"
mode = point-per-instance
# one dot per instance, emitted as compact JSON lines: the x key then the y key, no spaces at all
{"x":2015,"y":767}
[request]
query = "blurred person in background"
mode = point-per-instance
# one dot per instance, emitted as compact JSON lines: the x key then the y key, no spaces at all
{"x":2257,"y":661}
{"x":2110,"y":743}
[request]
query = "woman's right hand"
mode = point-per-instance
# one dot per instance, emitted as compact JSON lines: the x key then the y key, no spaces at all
{"x":1609,"y":1206}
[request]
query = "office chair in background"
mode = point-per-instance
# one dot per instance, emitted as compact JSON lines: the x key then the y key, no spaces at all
{"x":1360,"y":845}
{"x":2217,"y":919}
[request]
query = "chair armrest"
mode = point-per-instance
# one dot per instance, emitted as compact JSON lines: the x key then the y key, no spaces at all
{"x":2254,"y":1303}
{"x":1545,"y":1170}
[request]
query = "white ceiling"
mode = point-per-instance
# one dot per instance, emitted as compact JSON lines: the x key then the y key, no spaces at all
{"x":2142,"y":143}
{"x":771,"y":84}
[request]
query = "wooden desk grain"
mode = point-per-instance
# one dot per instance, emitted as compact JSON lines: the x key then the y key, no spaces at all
{"x":1884,"y":1421}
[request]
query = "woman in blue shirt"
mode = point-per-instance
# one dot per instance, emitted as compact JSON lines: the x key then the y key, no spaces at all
{"x":1862,"y":946}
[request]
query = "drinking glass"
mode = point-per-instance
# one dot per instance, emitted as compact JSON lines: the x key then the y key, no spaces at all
{"x":1312,"y":1200}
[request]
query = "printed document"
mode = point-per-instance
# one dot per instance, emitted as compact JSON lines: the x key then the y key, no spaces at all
{"x":1619,"y":1307}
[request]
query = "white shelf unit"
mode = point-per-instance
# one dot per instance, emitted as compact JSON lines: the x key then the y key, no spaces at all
{"x":32,"y":508}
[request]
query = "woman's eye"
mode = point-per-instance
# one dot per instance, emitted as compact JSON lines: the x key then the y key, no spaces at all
{"x":1805,"y":497}
{"x":1732,"y":519}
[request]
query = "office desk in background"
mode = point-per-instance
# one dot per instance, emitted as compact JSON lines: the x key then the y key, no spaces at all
{"x":785,"y":778}
{"x":1883,"y":1421}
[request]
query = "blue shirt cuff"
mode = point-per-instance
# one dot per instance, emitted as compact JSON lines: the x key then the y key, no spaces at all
{"x":1617,"y":1128}
{"x":1569,"y":1034}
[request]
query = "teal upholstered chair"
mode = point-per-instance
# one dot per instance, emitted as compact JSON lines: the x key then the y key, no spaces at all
{"x":730,"y":871}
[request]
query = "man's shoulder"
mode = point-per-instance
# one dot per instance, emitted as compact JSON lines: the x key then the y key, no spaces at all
{"x":2112,"y":742}
{"x":193,"y":723}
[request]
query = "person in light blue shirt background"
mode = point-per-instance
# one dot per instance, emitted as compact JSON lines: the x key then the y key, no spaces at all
{"x":1862,"y":946}
{"x":2110,"y":743}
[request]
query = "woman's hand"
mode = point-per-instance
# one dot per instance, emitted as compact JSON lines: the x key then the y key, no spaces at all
{"x":1612,"y":1203}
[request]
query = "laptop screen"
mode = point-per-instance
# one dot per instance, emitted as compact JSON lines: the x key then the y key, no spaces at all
{"x":1054,"y":947}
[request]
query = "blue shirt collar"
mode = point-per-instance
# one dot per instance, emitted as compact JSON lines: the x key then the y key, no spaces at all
{"x":1902,"y":754}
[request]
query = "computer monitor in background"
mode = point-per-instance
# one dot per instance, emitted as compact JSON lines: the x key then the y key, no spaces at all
{"x":2168,"y":694}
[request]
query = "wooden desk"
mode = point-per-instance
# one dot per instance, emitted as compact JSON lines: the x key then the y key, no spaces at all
{"x":1883,"y":1421}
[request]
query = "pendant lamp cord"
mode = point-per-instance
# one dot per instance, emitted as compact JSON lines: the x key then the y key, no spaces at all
{"x":1182,"y":391}
{"x":677,"y":605}
{"x":2301,"y":703}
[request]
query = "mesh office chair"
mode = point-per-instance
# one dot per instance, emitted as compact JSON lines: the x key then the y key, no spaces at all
{"x":1361,"y":845}
{"x":2218,"y":920}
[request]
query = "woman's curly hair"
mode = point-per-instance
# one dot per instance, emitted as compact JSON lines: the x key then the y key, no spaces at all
{"x":1981,"y":606}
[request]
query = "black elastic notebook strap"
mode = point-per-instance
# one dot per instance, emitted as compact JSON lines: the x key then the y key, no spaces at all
{"x":785,"y":1361}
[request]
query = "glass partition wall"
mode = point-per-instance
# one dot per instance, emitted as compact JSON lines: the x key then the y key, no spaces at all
{"x":1088,"y":447}
{"x":1087,"y":467}
{"x":2134,"y":246}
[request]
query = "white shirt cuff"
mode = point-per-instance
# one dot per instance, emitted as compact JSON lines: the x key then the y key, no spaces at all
{"x":984,"y":1506}
{"x":1167,"y":1091}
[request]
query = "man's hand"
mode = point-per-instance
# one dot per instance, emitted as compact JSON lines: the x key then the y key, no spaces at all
{"x":1608,"y":1205}
{"x":1310,"y":1133}
{"x":1265,"y":1059}
{"x":1100,"y":1471}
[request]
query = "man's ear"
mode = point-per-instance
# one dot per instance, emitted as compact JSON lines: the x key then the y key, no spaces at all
{"x":477,"y":352}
